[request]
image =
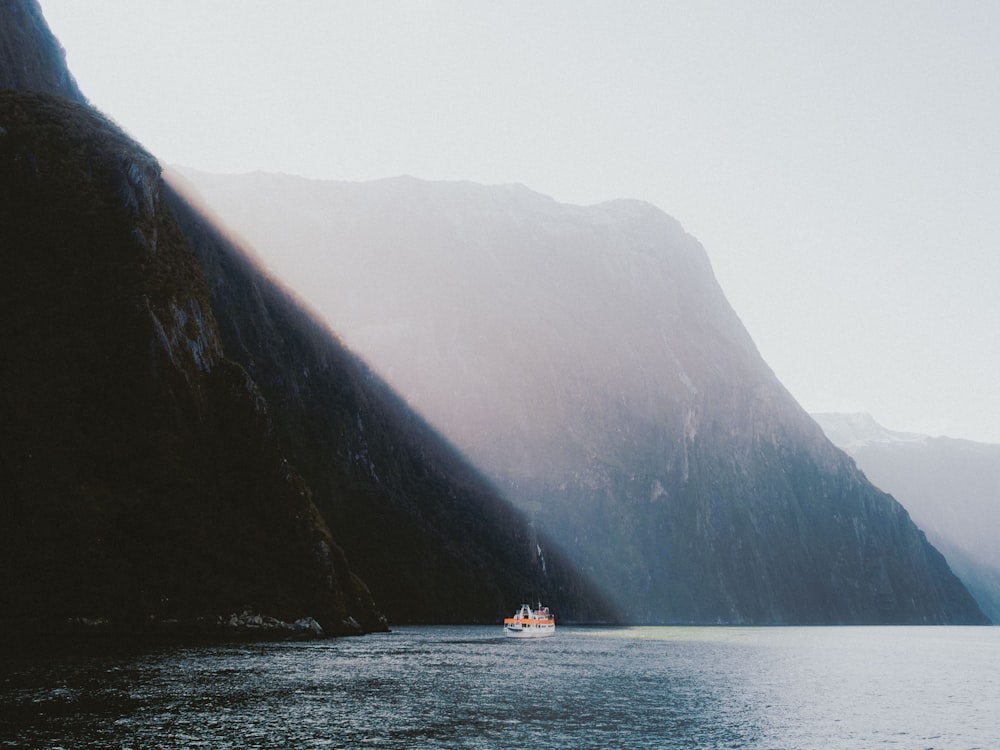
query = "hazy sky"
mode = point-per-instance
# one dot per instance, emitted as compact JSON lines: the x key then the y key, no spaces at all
{"x":840,"y":161}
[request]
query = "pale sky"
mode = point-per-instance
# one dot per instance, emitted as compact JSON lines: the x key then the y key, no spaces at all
{"x":839,"y":161}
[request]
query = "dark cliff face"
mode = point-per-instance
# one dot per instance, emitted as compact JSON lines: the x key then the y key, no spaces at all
{"x":142,"y":481}
{"x":171,"y":419}
{"x":179,"y":439}
{"x":586,"y":358}
{"x":30,"y":56}
{"x":434,"y":542}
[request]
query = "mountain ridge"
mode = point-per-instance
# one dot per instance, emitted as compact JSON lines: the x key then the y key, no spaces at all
{"x":950,"y":486}
{"x":31,"y":58}
{"x":210,"y":443}
{"x":148,"y":485}
{"x":387,"y":527}
{"x":586,"y":358}
{"x":141,"y":472}
{"x":851,"y":431}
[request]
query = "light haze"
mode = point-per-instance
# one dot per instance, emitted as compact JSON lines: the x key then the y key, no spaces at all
{"x":840,"y":162}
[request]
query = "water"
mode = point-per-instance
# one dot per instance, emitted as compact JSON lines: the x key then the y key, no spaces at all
{"x":466,"y":687}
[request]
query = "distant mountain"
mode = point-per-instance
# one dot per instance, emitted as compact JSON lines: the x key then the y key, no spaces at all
{"x":950,"y":487}
{"x":180,"y":441}
{"x":852,"y":432}
{"x":588,"y":360}
{"x":435,"y":542}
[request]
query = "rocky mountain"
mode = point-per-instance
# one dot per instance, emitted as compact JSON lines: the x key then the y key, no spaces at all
{"x":140,"y":480}
{"x":180,"y":440}
{"x":433,"y":539}
{"x":31,"y":58}
{"x":586,"y":358}
{"x":950,"y":487}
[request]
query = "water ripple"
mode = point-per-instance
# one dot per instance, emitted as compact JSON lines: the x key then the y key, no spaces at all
{"x":771,"y":688}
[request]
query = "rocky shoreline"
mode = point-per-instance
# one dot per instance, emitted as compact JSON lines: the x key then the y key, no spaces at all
{"x":244,"y":626}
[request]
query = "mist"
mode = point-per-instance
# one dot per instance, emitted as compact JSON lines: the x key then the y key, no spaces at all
{"x":837,"y":162}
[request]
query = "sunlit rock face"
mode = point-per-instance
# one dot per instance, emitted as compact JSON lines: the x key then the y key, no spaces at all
{"x":586,"y":358}
{"x":433,"y":540}
{"x":950,"y":487}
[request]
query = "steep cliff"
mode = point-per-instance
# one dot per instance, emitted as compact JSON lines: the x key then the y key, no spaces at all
{"x":951,"y":488}
{"x":141,"y":481}
{"x":586,"y":358}
{"x":178,"y":437}
{"x":31,"y":58}
{"x":434,"y":541}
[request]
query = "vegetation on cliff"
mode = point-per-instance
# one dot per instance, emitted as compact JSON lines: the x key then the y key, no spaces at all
{"x":142,"y":482}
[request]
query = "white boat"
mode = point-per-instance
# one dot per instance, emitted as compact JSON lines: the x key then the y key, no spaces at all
{"x":530,"y":623}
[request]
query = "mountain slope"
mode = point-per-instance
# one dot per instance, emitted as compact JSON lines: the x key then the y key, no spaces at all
{"x":433,"y":540}
{"x":950,"y":487}
{"x":586,"y":358}
{"x":30,"y":56}
{"x":140,"y":480}
{"x":168,"y":416}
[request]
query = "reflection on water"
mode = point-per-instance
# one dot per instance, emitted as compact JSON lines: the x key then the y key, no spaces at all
{"x":467,"y":687}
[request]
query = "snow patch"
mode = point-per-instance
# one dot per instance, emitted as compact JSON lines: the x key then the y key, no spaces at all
{"x":852,"y":432}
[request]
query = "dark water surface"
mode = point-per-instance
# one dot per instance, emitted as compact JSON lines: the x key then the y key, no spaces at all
{"x":435,"y":687}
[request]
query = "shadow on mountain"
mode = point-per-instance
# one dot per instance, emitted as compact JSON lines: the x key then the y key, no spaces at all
{"x":179,"y":438}
{"x":586,"y":359}
{"x":141,"y":484}
{"x":421,"y":526}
